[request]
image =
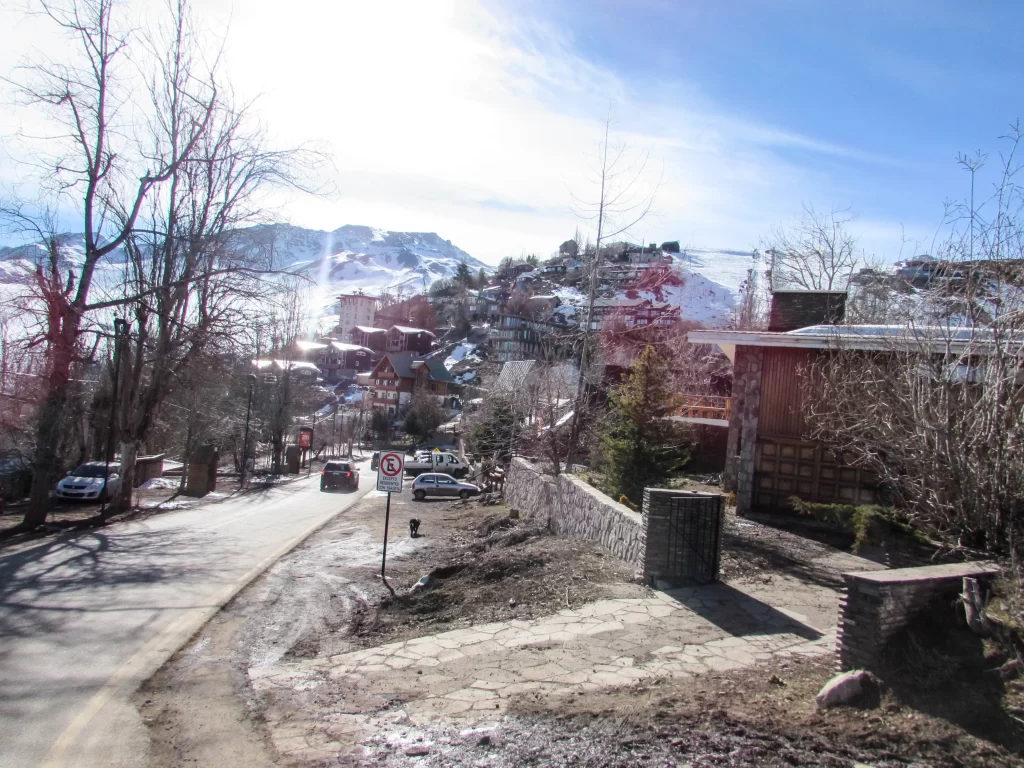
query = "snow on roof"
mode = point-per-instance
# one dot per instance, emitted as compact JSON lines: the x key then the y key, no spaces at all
{"x":308,"y":346}
{"x":343,"y":347}
{"x":295,"y":365}
{"x":369,"y":329}
{"x":513,"y":373}
{"x":285,"y":365}
{"x":407,"y":329}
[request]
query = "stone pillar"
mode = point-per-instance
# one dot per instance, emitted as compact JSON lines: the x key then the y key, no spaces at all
{"x":877,"y":605}
{"x":683,"y":537}
{"x":746,"y":406}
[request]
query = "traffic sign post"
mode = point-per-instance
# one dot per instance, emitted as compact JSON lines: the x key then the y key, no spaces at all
{"x":390,"y":473}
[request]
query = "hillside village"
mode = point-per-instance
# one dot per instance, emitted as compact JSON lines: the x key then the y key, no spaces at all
{"x":277,"y":493}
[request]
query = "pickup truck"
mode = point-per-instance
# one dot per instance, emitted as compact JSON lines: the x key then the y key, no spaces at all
{"x":448,"y":463}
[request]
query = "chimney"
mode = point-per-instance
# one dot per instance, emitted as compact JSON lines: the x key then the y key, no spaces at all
{"x":799,"y":309}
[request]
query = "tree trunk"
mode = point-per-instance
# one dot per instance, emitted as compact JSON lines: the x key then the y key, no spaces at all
{"x":129,"y":454}
{"x":974,"y":607}
{"x":44,"y":463}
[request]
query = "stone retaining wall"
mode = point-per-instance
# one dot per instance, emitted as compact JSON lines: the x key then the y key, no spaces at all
{"x":574,"y":509}
{"x":877,"y":605}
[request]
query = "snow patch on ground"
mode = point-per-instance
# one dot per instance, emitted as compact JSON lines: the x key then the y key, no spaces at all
{"x":160,"y":482}
{"x":459,"y":354}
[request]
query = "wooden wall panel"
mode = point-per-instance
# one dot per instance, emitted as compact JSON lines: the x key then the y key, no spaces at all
{"x":781,"y":406}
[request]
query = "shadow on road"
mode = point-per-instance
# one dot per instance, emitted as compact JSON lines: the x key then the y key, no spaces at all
{"x":46,"y":584}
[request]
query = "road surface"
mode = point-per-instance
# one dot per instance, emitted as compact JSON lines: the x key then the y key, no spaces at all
{"x":85,"y":617}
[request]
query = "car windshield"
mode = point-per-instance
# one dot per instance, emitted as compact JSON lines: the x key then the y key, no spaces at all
{"x":89,"y":470}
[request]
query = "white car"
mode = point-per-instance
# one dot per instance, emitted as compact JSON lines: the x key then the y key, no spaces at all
{"x":86,"y":482}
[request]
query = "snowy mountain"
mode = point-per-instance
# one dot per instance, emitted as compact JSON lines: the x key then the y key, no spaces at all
{"x":349,"y":258}
{"x":356,"y":257}
{"x":365,"y":258}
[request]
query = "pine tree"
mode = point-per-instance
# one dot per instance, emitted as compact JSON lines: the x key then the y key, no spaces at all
{"x":638,"y":447}
{"x":463,"y":276}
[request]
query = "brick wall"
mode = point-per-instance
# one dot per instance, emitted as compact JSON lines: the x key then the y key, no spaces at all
{"x":799,"y":309}
{"x":877,"y":605}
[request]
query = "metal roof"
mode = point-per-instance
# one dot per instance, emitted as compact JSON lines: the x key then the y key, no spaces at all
{"x":864,"y":337}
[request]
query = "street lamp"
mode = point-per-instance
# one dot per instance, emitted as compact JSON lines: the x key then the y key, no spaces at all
{"x":309,"y":455}
{"x":245,"y":440}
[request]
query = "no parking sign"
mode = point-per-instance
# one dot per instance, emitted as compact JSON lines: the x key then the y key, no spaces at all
{"x":390,"y":471}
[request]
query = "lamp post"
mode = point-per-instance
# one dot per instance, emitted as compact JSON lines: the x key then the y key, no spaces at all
{"x":245,"y":440}
{"x":309,"y":455}
{"x":120,"y":329}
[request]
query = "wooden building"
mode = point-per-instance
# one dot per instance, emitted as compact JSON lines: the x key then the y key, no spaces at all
{"x":397,"y":376}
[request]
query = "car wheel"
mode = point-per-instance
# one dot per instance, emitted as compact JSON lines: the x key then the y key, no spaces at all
{"x":419,"y":495}
{"x":323,"y":488}
{"x":463,"y":494}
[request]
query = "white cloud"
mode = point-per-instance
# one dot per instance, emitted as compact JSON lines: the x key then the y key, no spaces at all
{"x":449,"y":117}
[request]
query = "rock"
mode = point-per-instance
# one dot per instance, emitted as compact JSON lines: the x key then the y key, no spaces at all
{"x":842,"y":689}
{"x":417,"y":750}
{"x":1011,"y":670}
{"x":513,"y":514}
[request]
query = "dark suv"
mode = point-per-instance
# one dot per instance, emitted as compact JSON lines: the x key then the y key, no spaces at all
{"x":339,"y":474}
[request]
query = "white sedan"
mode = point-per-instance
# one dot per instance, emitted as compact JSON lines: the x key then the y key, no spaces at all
{"x":86,"y":482}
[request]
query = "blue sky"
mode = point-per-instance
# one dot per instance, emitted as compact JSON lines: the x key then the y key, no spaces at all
{"x":480,"y":120}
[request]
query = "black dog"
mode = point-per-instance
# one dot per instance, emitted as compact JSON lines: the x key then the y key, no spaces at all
{"x":414,"y":527}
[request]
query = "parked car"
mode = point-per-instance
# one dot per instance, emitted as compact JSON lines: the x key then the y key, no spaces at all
{"x":339,"y":474}
{"x":375,"y":461}
{"x":434,"y":484}
{"x":86,"y":482}
{"x":436,"y":460}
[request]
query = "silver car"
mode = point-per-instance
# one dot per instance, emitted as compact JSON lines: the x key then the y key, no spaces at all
{"x":86,"y":482}
{"x":435,"y":484}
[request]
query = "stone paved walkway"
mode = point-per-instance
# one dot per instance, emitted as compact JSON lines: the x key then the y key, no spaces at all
{"x":322,"y":707}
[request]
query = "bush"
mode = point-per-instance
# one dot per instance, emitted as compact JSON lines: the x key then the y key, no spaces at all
{"x":637,"y":446}
{"x":870,"y":525}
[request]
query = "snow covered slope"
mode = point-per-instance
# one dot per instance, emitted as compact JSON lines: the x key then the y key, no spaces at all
{"x":349,"y":258}
{"x":355,"y":257}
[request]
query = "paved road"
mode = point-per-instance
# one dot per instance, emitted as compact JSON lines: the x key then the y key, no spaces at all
{"x":86,"y":617}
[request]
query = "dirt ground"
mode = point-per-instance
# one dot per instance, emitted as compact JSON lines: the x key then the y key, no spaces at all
{"x":763,"y":716}
{"x":326,"y":598}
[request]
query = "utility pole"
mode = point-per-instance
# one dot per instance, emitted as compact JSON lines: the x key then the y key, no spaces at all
{"x":245,"y":440}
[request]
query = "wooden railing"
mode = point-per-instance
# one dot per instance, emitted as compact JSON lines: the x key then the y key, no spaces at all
{"x":702,"y":407}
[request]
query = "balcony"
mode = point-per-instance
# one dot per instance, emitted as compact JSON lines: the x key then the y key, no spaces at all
{"x":712,"y":410}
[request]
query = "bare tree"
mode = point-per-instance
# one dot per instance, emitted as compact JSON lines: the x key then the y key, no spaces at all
{"x":621,"y":202}
{"x":91,"y":158}
{"x":817,"y":253}
{"x":938,"y":413}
